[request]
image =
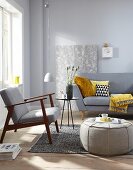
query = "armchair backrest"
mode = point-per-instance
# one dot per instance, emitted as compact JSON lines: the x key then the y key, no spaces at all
{"x":12,"y":96}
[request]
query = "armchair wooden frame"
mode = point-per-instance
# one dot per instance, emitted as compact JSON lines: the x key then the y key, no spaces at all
{"x":8,"y":127}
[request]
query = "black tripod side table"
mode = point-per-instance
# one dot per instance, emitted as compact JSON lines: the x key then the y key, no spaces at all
{"x":69,"y":109}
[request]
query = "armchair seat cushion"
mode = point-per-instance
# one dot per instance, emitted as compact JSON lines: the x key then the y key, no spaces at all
{"x":36,"y":115}
{"x":96,"y":101}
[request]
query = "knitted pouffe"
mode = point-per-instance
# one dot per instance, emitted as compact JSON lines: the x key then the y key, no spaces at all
{"x":108,"y":138}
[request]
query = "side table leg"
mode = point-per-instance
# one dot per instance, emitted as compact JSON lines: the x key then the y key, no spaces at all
{"x":71,"y":113}
{"x":62,"y":113}
{"x":68,"y":110}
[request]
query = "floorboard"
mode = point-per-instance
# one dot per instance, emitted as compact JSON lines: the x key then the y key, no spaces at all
{"x":51,"y":161}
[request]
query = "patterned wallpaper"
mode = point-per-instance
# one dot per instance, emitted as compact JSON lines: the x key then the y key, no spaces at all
{"x":84,"y":56}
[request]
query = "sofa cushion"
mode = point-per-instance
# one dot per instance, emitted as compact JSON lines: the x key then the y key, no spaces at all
{"x":96,"y":101}
{"x":102,"y":90}
{"x":94,"y":83}
{"x":84,"y":85}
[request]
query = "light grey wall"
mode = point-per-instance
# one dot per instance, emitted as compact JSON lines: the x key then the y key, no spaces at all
{"x":76,"y":22}
{"x":94,"y":22}
{"x":24,"y":4}
{"x":36,"y":47}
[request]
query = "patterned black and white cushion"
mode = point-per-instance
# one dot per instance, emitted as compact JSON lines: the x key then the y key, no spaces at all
{"x":102,"y":90}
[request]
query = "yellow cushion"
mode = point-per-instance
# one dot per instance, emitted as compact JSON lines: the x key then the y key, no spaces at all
{"x":99,"y":83}
{"x":84,"y":85}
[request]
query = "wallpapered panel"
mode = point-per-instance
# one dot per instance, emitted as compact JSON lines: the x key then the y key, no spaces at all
{"x":84,"y":56}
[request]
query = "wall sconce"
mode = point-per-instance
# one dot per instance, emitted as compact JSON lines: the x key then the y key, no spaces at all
{"x":107,"y":52}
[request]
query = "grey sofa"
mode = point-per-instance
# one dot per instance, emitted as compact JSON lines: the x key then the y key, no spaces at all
{"x":119,"y":83}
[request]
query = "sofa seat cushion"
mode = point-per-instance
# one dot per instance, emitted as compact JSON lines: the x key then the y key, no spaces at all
{"x":96,"y":101}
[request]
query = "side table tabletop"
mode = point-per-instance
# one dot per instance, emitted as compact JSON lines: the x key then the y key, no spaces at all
{"x":69,"y":109}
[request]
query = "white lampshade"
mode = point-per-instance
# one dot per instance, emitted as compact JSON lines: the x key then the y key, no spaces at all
{"x":48,"y":77}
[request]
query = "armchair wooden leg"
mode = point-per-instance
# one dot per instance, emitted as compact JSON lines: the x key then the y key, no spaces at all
{"x":10,"y":109}
{"x":46,"y":121}
{"x":57,"y":128}
{"x":15,"y":130}
{"x":3,"y":135}
{"x":48,"y":133}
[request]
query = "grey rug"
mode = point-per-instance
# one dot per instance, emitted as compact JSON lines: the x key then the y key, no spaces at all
{"x":67,"y":141}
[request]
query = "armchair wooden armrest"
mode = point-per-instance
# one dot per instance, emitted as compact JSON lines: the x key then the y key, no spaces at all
{"x":36,"y":97}
{"x":33,"y":100}
{"x":39,"y":96}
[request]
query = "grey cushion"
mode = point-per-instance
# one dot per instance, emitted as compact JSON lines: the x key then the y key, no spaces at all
{"x":12,"y":96}
{"x":36,"y":115}
{"x":96,"y":101}
{"x":106,"y":138}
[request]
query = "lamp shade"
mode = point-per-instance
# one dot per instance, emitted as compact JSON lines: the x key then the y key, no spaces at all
{"x":48,"y":77}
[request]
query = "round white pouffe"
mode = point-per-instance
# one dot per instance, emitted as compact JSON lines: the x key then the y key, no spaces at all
{"x":106,"y":138}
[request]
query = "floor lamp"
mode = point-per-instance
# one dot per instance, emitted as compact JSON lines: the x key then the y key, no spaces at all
{"x":48,"y":77}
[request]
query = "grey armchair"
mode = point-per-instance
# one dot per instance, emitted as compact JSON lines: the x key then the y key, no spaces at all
{"x":23,"y":117}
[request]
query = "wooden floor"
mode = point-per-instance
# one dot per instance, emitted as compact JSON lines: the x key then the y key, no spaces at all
{"x":44,"y":161}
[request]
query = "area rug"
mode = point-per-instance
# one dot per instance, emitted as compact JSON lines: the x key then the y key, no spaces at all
{"x":67,"y":141}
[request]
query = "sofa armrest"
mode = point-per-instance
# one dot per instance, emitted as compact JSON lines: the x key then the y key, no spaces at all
{"x":76,"y":93}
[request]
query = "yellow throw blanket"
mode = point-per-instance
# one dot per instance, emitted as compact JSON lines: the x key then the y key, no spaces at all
{"x":119,"y":102}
